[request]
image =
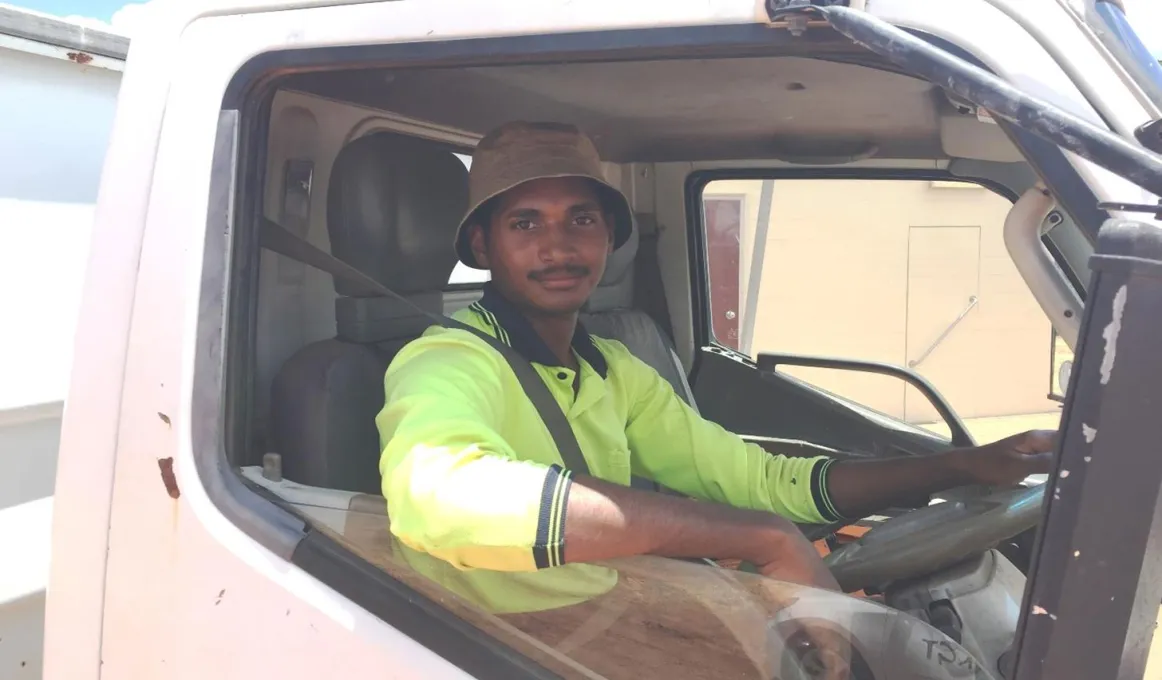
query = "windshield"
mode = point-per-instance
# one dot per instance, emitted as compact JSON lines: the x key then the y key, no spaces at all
{"x":1132,"y":29}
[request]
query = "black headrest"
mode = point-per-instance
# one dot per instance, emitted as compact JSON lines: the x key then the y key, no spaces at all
{"x":393,"y":207}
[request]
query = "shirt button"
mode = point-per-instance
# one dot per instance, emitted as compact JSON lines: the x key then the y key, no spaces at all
{"x":562,"y":375}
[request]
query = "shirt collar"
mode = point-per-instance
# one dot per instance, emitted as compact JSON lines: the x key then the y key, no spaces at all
{"x":514,"y":329}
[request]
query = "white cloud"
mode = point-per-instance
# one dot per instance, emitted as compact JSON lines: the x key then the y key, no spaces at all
{"x":127,"y":19}
{"x":124,"y":21}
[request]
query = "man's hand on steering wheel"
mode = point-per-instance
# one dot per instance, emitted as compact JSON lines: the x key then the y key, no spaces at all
{"x":862,"y":487}
{"x":1008,"y":461}
{"x":936,"y":536}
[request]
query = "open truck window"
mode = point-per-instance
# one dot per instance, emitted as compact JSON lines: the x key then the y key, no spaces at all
{"x":288,"y":376}
{"x":910,"y":270}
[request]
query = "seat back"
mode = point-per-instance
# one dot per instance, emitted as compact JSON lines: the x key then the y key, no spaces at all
{"x":610,"y":314}
{"x":393,"y":206}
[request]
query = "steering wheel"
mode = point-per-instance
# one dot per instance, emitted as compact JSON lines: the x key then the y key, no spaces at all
{"x":937,"y":536}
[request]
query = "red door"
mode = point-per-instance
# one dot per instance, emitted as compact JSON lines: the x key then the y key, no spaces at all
{"x":723,"y":224}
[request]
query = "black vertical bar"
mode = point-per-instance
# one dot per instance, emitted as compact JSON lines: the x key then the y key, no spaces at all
{"x":1096,"y":580}
{"x":1052,"y":360}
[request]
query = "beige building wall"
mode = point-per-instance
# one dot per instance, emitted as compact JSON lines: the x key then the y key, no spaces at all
{"x":878,"y":270}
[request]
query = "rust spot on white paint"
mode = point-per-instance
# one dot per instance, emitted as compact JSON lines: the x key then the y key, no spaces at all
{"x":1064,"y":474}
{"x":168,"y":478}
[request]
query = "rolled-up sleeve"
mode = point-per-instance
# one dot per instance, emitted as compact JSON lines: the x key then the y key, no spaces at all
{"x":453,"y":485}
{"x":676,"y":447}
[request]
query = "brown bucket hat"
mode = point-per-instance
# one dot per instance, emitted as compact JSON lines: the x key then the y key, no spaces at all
{"x":519,"y":152}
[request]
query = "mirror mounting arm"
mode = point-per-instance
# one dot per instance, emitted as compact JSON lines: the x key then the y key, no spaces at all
{"x":768,"y":363}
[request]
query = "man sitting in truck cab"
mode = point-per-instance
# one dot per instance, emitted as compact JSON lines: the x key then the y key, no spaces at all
{"x":474,"y":479}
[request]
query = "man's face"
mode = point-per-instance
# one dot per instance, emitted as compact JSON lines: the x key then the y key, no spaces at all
{"x":546,"y":244}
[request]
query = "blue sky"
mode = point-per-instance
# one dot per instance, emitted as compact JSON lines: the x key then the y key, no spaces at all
{"x":97,"y":9}
{"x":1145,"y":14}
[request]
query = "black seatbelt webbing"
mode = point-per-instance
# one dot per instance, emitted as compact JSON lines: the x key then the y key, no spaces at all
{"x":276,"y":238}
{"x":649,"y":292}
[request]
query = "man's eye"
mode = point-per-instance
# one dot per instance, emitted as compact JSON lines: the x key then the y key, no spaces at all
{"x":523,"y":225}
{"x":585,"y":220}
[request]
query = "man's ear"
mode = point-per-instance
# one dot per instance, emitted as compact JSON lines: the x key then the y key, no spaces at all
{"x":610,"y":230}
{"x":479,"y":243}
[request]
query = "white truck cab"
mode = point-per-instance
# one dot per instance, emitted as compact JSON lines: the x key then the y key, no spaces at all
{"x":218,"y":510}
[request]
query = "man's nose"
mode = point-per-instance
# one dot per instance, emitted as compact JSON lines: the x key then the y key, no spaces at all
{"x":556,"y":241}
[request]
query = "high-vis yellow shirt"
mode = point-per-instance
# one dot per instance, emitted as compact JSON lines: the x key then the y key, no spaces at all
{"x":477,"y":491}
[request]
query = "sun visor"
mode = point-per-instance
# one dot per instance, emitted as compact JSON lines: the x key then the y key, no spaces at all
{"x":967,"y":136}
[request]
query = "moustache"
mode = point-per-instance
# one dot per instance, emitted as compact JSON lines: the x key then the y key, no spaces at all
{"x":568,"y":270}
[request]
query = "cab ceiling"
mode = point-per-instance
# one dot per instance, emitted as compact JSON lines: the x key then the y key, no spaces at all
{"x":670,"y":110}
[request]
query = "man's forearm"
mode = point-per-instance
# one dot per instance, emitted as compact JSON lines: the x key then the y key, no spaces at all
{"x":862,"y":487}
{"x":607,"y":521}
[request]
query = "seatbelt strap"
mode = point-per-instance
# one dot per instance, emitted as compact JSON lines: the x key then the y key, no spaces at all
{"x":278,"y":239}
{"x":649,"y":293}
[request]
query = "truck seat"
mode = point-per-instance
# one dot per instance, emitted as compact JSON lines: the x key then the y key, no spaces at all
{"x":393,"y":207}
{"x":609,"y":314}
{"x":392,"y":210}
